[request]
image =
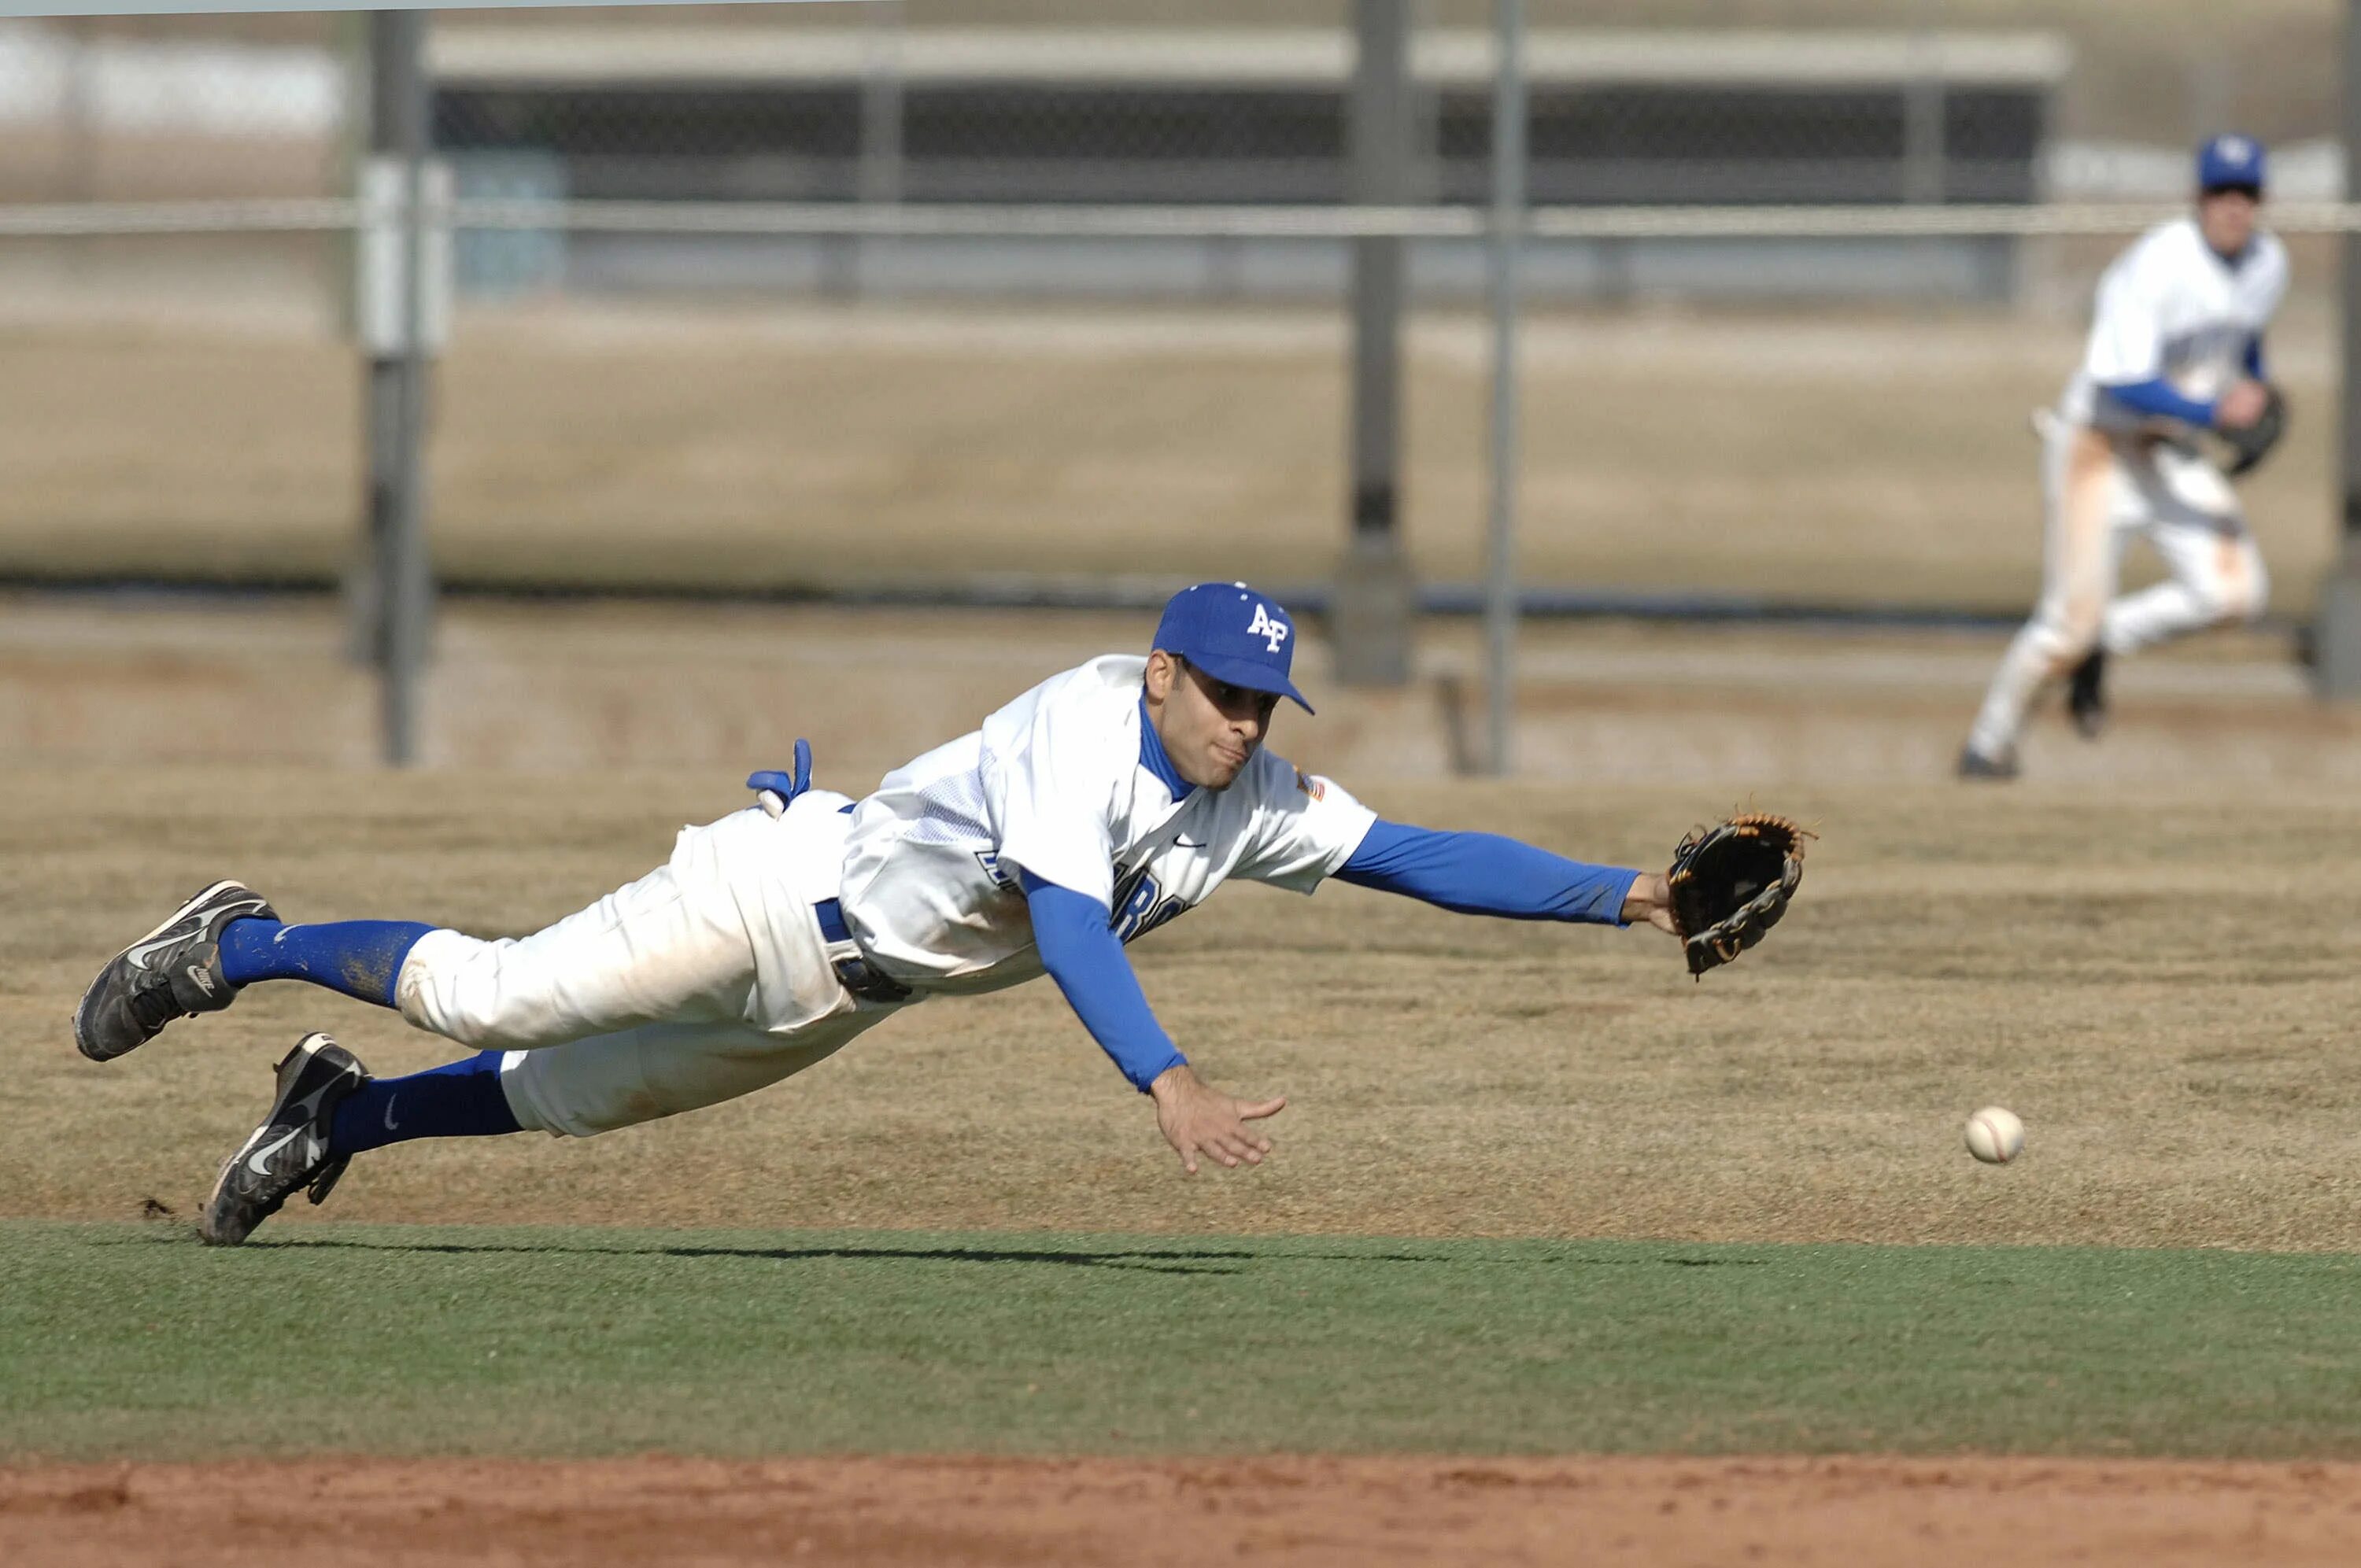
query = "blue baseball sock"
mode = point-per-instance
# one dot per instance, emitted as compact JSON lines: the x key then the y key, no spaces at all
{"x":360,"y":958}
{"x":459,"y":1100}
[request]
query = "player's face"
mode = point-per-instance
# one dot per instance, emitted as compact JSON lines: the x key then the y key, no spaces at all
{"x":2226,"y":217}
{"x":1210,"y":729}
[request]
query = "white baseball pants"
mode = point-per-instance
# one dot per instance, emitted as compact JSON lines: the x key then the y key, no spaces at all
{"x":2100,"y":491}
{"x":705,"y":979}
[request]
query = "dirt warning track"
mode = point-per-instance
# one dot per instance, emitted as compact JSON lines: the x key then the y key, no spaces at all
{"x":1860,"y":1512}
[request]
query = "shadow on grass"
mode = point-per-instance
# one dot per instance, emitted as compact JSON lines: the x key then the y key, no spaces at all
{"x":1206,"y":1262}
{"x":1195,"y":1260}
{"x":1167,"y":1260}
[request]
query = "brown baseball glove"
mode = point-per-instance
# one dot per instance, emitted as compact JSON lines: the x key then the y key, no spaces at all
{"x":1730,"y":883}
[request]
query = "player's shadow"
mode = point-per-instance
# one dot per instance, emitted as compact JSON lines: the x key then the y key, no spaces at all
{"x":1178,"y":1261}
{"x":1173,"y":1260}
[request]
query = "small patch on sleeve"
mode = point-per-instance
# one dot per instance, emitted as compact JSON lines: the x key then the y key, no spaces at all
{"x":1317,"y":788}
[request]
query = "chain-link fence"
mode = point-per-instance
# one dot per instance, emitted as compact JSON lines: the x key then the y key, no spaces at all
{"x":663,"y":372}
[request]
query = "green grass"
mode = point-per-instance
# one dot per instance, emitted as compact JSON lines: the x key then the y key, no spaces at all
{"x":134,"y":1341}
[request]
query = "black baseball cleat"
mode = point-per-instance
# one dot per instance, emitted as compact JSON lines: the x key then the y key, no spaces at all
{"x":173,"y":972}
{"x":2086,"y":695}
{"x":1975,"y":764}
{"x":290,"y":1151}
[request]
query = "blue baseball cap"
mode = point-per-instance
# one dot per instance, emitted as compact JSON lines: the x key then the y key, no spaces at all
{"x":1234,"y":634}
{"x":2231,"y":162}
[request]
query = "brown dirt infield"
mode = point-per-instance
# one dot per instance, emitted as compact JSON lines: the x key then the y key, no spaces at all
{"x":1856,"y":1512}
{"x":2179,"y":1048}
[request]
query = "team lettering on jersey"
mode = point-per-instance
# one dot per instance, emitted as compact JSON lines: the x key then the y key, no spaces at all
{"x":1141,"y":907}
{"x":2223,"y":341}
{"x":1263,"y":626}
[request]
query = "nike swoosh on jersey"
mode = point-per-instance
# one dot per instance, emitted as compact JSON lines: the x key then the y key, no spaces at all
{"x":389,"y":1126}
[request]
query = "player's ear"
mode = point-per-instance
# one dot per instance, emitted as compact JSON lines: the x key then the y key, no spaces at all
{"x":1162,"y":669}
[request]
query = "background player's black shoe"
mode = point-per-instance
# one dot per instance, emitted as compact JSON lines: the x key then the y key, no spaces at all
{"x":1975,"y":764}
{"x":290,"y":1150}
{"x":2086,"y":695}
{"x":173,"y":972}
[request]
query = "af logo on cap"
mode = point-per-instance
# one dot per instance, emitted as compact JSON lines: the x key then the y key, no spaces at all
{"x":1252,"y":652}
{"x":2230,"y":160}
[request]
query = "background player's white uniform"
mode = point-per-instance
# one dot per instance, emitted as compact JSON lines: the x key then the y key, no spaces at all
{"x":2168,"y":307}
{"x":712,"y":977}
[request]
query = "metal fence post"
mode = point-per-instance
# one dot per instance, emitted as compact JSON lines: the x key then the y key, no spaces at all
{"x":2337,"y":634}
{"x":399,"y":602}
{"x":1925,"y":109}
{"x":880,"y":176}
{"x":1370,"y":619}
{"x":1501,"y":252}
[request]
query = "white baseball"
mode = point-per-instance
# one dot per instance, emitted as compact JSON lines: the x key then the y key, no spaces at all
{"x":1995,"y":1137}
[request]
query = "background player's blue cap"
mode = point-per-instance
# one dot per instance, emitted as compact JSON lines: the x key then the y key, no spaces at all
{"x":2231,"y":160}
{"x":1234,"y":634}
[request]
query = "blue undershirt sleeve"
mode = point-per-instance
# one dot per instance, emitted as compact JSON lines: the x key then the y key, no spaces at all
{"x":2160,"y":399}
{"x":1079,"y":948}
{"x":1484,"y":873}
{"x":2255,"y":358}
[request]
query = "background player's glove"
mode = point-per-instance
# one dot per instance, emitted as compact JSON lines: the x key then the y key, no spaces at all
{"x":774,"y":790}
{"x":1730,"y":884}
{"x":2249,"y":444}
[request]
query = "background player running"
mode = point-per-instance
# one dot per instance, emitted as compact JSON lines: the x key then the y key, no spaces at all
{"x":1102,"y":802}
{"x":2176,"y":347}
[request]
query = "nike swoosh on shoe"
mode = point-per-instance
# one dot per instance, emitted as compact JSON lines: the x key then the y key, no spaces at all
{"x":181,"y":929}
{"x":305,"y":1111}
{"x":254,"y":1161}
{"x":138,"y":956}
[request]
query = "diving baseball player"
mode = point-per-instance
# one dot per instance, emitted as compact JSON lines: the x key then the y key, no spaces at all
{"x":1098,"y":806}
{"x":2175,"y":347}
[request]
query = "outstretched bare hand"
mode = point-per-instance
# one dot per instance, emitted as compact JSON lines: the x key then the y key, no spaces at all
{"x":1197,"y":1119}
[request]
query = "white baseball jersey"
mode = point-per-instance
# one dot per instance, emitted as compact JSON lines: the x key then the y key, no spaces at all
{"x":1053,"y":784}
{"x":2170,"y":307}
